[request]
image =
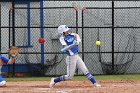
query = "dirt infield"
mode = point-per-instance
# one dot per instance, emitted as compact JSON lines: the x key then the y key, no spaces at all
{"x":72,"y":87}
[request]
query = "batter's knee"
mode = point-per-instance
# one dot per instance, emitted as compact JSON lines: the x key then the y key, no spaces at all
{"x":68,"y":77}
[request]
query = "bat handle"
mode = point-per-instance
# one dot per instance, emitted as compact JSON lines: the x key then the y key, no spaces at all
{"x":62,"y":50}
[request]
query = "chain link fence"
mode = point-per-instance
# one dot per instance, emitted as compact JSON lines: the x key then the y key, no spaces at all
{"x":115,"y":23}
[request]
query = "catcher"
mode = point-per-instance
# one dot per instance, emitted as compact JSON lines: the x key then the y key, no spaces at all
{"x":13,"y":52}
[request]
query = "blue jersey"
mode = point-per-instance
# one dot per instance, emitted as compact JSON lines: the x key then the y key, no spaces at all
{"x":68,"y":40}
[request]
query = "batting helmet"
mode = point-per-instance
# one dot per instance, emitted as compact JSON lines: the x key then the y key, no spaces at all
{"x":63,"y":28}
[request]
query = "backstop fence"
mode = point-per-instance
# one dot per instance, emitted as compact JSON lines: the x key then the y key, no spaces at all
{"x":115,"y":23}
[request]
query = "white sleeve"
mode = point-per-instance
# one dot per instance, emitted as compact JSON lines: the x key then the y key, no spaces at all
{"x":62,"y":41}
{"x":78,"y":38}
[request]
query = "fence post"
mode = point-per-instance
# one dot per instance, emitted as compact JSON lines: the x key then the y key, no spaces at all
{"x":112,"y":36}
{"x":13,"y":31}
{"x":42,"y":30}
{"x":28,"y":22}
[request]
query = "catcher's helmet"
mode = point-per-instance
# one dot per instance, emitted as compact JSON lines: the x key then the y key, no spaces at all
{"x":63,"y":28}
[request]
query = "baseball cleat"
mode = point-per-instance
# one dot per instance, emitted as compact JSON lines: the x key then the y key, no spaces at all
{"x":97,"y":85}
{"x":2,"y":83}
{"x":52,"y":83}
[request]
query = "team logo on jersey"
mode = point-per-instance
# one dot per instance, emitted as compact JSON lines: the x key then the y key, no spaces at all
{"x":69,"y":39}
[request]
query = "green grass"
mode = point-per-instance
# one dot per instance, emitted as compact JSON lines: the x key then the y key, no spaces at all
{"x":111,"y":77}
{"x":28,"y":79}
{"x":97,"y":77}
{"x":119,"y":77}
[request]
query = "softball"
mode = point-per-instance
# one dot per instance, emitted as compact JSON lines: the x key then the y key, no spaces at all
{"x":98,"y":43}
{"x":41,"y":40}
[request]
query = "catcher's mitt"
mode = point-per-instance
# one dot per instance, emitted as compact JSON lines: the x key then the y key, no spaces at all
{"x":13,"y":51}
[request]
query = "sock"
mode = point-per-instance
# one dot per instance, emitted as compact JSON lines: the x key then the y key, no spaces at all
{"x":90,"y":77}
{"x":59,"y":79}
{"x":1,"y":78}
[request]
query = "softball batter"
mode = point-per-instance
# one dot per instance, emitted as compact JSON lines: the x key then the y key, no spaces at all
{"x":73,"y":60}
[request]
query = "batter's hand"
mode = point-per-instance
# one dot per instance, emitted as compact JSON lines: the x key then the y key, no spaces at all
{"x":76,"y":42}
